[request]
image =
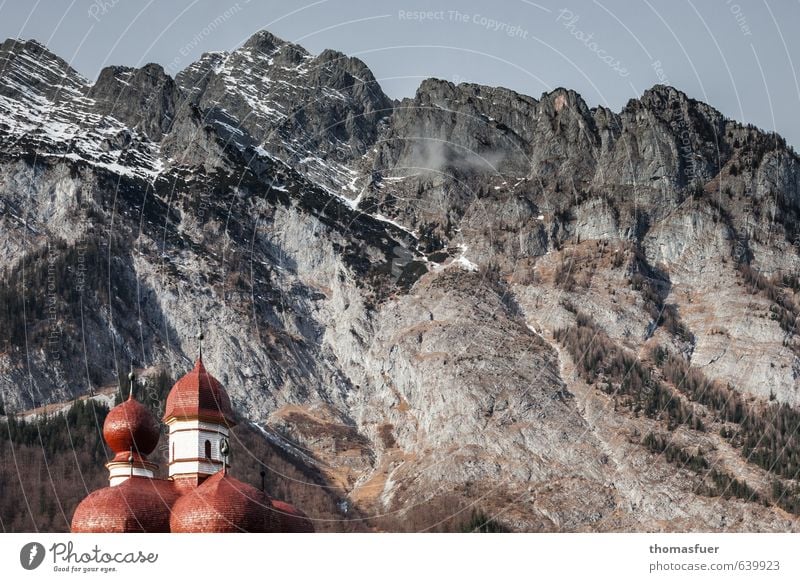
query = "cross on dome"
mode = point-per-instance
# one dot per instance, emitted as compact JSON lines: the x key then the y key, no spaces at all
{"x":200,"y":337}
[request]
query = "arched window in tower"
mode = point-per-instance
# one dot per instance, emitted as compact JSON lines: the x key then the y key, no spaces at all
{"x":208,"y":449}
{"x":173,"y":452}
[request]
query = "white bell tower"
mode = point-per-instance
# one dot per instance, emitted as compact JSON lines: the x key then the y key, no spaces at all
{"x":199,"y":416}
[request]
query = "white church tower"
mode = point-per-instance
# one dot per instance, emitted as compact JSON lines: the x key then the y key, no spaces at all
{"x":199,"y":416}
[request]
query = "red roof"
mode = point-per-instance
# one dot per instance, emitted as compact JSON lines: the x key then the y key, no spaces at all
{"x":199,"y":395}
{"x":131,"y":425}
{"x":292,"y":519}
{"x":222,"y":504}
{"x":138,"y":504}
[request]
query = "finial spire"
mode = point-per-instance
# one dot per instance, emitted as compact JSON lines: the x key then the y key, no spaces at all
{"x":200,"y":338}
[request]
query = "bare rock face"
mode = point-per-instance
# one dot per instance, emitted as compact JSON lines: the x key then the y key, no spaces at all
{"x":32,"y":73}
{"x":570,"y":318}
{"x":316,"y":113}
{"x":143,"y":99}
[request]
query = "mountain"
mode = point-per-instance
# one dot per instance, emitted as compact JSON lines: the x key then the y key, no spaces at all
{"x":564,"y":318}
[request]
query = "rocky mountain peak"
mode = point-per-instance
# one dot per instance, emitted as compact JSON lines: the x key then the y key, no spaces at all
{"x":265,"y":42}
{"x":266,"y":51}
{"x":667,"y":103}
{"x":322,"y":112}
{"x":660,"y":93}
{"x":434,"y":89}
{"x":352,"y":65}
{"x":143,"y":99}
{"x":561,"y":99}
{"x":32,"y":48}
{"x":28,"y":70}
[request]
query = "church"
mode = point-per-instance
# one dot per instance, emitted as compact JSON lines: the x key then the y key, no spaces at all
{"x":199,"y":494}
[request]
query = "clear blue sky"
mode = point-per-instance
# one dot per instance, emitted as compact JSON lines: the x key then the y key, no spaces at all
{"x":740,"y":56}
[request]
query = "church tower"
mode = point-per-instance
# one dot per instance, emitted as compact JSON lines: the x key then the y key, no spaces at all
{"x":198,"y":415}
{"x":132,"y":433}
{"x":200,"y":494}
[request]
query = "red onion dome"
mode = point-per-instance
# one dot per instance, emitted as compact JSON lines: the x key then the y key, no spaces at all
{"x":292,"y":519}
{"x":138,"y":504}
{"x":199,"y":395}
{"x":222,"y":504}
{"x":131,"y":425}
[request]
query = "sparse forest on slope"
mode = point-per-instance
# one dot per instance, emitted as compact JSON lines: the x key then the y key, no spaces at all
{"x":48,"y":464}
